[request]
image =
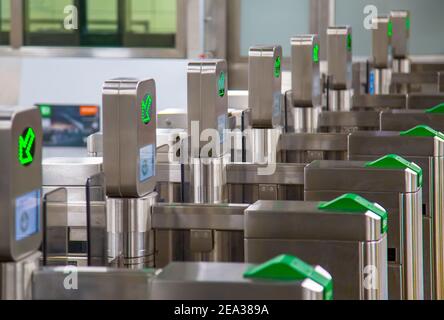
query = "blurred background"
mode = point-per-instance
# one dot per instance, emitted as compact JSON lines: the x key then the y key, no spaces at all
{"x":43,"y":62}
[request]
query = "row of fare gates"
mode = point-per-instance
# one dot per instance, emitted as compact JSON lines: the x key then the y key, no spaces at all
{"x":316,"y":193}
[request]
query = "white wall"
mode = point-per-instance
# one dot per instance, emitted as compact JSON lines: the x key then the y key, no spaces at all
{"x":27,"y":81}
{"x":272,"y":22}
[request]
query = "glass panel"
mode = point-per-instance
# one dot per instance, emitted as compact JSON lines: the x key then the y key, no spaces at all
{"x":55,"y":228}
{"x":5,"y":21}
{"x":45,"y":23}
{"x":150,"y":23}
{"x":5,"y":15}
{"x":102,"y":16}
{"x":47,"y":15}
{"x":102,"y":23}
{"x":152,"y":16}
{"x":96,"y":221}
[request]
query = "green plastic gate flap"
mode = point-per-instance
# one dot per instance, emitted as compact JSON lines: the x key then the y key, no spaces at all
{"x":422,"y":131}
{"x":436,"y":109}
{"x":352,"y":203}
{"x":393,"y":161}
{"x":290,"y":268}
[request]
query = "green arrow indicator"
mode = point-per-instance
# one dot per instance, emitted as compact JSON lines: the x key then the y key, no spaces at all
{"x":26,"y":147}
{"x":146,"y":109}
{"x":316,"y":53}
{"x":390,"y":29}
{"x":221,"y":84}
{"x":277,"y":67}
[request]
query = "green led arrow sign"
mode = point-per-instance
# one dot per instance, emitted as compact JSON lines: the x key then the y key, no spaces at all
{"x":146,"y":109}
{"x":349,"y":42}
{"x":316,"y":53}
{"x":221,"y":85}
{"x":26,"y":147}
{"x":390,"y":29}
{"x":277,"y":67}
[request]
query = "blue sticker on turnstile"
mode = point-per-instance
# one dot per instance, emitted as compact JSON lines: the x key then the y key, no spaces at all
{"x":147,"y":163}
{"x":27,"y":212}
{"x":221,"y":126}
{"x":371,"y":84}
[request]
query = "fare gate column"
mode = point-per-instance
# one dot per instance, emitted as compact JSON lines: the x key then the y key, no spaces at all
{"x":340,"y":74}
{"x":304,"y":100}
{"x":351,"y":229}
{"x":396,"y":184}
{"x":400,"y":44}
{"x":265,"y":103}
{"x":20,"y":199}
{"x":129,"y":158}
{"x":207,"y":124}
{"x":380,"y":76}
{"x":400,"y":40}
{"x":425,"y":147}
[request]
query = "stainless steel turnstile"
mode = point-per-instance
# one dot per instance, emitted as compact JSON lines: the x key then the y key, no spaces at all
{"x":306,"y":147}
{"x":129,"y":163}
{"x":204,"y":232}
{"x":282,"y":278}
{"x":247,"y":183}
{"x":91,"y":283}
{"x":16,"y":277}
{"x":265,"y":103}
{"x":169,"y":172}
{"x":400,"y":20}
{"x":425,"y":147}
{"x":339,"y":42}
{"x":304,"y":100}
{"x":347,"y":236}
{"x":72,"y":174}
{"x":380,"y":76}
{"x":394,"y":183}
{"x":364,"y":115}
{"x":21,"y":226}
{"x":346,"y":122}
{"x":368,"y":102}
{"x":207,"y":123}
{"x":397,"y":120}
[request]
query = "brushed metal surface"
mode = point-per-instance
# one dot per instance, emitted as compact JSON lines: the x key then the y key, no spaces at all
{"x":93,"y":283}
{"x":305,"y":73}
{"x":125,"y":134}
{"x":16,"y":277}
{"x":339,"y":56}
{"x":398,"y":193}
{"x":70,"y":171}
{"x":222,"y":281}
{"x":264,"y":88}
{"x":401,"y":33}
{"x":401,"y":120}
{"x":381,"y":43}
{"x":17,"y":179}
